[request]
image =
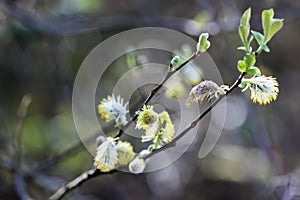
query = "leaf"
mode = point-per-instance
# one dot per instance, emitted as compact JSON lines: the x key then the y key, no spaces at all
{"x":267,"y":16}
{"x":265,"y":48}
{"x":241,"y":66}
{"x":249,"y":60}
{"x":245,"y":19}
{"x":243,"y":32}
{"x":131,"y":60}
{"x":249,"y":43}
{"x":254,"y":71}
{"x":258,"y":37}
{"x":277,"y":24}
{"x":242,"y":48}
{"x":244,"y":27}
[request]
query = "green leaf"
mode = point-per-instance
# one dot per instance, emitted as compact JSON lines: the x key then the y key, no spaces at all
{"x":277,"y":24}
{"x":258,"y":37}
{"x":241,"y":66}
{"x":265,"y":48}
{"x":245,"y":19}
{"x":249,"y":60}
{"x":243,"y":32}
{"x":244,"y":27}
{"x":131,"y":60}
{"x":267,"y":16}
{"x":254,"y":71}
{"x":249,"y":43}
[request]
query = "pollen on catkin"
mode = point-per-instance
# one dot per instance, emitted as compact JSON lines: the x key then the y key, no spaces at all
{"x":125,"y":152}
{"x":113,"y":108}
{"x":106,"y":157}
{"x":146,"y":117}
{"x":263,"y":90}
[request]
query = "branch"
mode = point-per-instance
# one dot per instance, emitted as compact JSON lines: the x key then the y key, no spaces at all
{"x":16,"y":137}
{"x":75,"y":25}
{"x":17,"y":148}
{"x":94,"y":172}
{"x":156,"y":89}
{"x":85,"y":176}
{"x":195,"y":122}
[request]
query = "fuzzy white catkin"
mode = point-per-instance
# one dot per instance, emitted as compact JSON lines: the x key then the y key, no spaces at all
{"x":137,"y":166}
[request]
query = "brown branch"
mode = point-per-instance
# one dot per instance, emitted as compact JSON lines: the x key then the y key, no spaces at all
{"x":195,"y":122}
{"x":94,"y":172}
{"x":85,"y":176}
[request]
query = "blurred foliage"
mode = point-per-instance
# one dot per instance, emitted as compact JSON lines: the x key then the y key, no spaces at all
{"x":42,"y":45}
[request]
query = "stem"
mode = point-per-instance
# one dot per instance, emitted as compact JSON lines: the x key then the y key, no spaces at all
{"x":195,"y":122}
{"x":259,"y":50}
{"x":155,"y":90}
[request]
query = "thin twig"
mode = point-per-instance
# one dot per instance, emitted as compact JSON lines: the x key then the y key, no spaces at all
{"x":195,"y":122}
{"x":92,"y":173}
{"x":155,"y":90}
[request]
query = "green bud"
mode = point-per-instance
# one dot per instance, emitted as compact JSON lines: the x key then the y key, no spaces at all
{"x":249,"y":60}
{"x":203,"y":44}
{"x":242,"y":84}
{"x":175,"y":60}
{"x":131,"y":57}
{"x":241,"y":66}
{"x":254,"y":71}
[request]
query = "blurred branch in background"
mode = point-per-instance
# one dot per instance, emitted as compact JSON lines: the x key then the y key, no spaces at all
{"x":68,"y":25}
{"x":16,"y":144}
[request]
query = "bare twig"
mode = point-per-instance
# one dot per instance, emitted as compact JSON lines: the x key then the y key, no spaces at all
{"x":195,"y":122}
{"x":85,"y":176}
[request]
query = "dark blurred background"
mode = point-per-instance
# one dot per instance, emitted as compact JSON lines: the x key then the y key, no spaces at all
{"x":42,"y":45}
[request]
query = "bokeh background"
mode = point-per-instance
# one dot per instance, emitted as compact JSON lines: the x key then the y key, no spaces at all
{"x":42,"y":45}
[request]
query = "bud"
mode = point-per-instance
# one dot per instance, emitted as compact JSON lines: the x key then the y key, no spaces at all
{"x":203,"y":44}
{"x":175,"y":60}
{"x":137,"y":166}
